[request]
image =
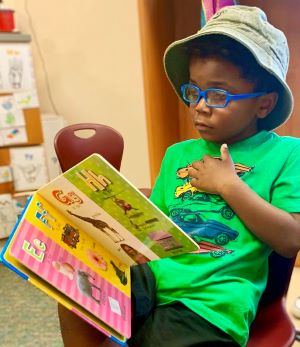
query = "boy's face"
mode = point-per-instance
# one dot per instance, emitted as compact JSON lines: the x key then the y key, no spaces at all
{"x":235,"y":122}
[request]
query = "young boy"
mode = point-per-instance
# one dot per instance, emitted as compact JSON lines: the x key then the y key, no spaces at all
{"x":235,"y":190}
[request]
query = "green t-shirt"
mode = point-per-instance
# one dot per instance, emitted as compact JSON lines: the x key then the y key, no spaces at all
{"x":224,"y":281}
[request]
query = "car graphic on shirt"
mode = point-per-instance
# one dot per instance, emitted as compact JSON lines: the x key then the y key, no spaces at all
{"x":187,"y":191}
{"x":215,"y":251}
{"x":225,"y":211}
{"x":213,"y":230}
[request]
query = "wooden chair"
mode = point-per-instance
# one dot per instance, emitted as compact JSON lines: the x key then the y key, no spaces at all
{"x":272,"y":326}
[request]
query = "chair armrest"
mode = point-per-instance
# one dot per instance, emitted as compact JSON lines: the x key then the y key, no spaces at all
{"x":272,"y":327}
{"x":146,"y":191}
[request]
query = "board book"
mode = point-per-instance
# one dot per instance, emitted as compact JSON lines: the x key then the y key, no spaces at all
{"x":78,"y":236}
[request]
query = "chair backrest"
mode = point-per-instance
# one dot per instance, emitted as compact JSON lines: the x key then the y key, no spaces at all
{"x":280,"y":271}
{"x":75,"y":142}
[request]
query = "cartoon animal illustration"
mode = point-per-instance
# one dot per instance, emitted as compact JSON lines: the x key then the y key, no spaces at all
{"x":85,"y":285}
{"x":102,"y":226}
{"x":121,"y":274}
{"x":125,"y":206}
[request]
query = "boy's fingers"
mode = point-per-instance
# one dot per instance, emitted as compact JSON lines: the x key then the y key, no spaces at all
{"x":225,"y":155}
{"x":192,"y":171}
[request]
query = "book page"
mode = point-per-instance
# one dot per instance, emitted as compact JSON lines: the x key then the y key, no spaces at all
{"x":61,"y":254}
{"x":101,"y":201}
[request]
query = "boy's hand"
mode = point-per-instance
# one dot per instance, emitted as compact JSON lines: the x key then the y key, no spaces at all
{"x":211,"y":174}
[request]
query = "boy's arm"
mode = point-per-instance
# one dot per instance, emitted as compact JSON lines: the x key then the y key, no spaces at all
{"x":279,"y":229}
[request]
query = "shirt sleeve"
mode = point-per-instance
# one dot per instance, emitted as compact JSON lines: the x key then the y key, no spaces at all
{"x":158,"y":191}
{"x":286,"y":189}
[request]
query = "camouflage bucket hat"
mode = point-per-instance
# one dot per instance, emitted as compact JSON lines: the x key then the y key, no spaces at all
{"x":249,"y":27}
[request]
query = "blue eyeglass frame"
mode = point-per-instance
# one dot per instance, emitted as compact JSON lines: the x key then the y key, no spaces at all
{"x":229,"y":97}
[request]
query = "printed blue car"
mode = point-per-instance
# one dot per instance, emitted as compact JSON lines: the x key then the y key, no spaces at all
{"x":210,"y":229}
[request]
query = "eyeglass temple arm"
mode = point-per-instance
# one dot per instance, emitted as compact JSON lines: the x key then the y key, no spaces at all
{"x":245,"y":96}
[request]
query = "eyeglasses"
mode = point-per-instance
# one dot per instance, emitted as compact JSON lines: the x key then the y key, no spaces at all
{"x":213,"y":97}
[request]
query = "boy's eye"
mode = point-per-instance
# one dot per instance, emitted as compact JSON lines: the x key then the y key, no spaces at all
{"x":191,"y":94}
{"x":216,"y":97}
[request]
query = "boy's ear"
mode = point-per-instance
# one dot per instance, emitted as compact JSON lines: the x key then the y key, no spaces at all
{"x":266,"y":104}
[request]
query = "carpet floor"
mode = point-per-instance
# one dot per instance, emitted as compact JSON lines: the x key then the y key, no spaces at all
{"x":28,"y":317}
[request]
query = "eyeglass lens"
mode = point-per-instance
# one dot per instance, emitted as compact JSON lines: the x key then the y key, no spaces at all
{"x":212,"y":97}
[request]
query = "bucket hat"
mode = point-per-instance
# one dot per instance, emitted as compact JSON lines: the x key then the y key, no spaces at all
{"x":248,"y":26}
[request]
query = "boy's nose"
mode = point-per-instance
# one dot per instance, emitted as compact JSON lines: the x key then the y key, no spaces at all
{"x":202,"y":107}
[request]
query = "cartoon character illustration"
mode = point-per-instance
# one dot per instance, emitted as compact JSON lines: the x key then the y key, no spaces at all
{"x":64,"y":268}
{"x":136,"y":256}
{"x":102,"y":226}
{"x":85,"y":285}
{"x":121,"y":274}
{"x":70,"y":236}
{"x":97,"y":259}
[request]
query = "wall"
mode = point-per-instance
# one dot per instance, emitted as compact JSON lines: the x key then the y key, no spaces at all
{"x":88,"y":54}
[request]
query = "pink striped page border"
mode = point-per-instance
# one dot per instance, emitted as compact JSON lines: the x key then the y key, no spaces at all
{"x":107,"y":303}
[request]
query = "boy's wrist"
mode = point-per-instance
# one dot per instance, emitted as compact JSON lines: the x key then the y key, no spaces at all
{"x":230,"y":188}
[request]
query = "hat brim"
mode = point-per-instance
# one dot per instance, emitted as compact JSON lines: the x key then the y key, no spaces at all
{"x":176,"y":64}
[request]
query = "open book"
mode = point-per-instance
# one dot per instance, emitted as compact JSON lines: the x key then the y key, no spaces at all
{"x":78,"y":237}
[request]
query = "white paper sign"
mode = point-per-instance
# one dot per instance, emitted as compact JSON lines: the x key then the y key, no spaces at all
{"x":26,"y":99}
{"x":7,"y":215}
{"x":5,"y":174}
{"x":14,"y":136}
{"x":10,"y":114}
{"x":16,"y":67}
{"x":28,"y":167}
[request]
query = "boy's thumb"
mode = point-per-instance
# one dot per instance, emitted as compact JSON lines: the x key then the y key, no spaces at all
{"x":225,"y":155}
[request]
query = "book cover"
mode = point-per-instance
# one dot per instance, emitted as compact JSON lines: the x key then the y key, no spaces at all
{"x":79,"y":235}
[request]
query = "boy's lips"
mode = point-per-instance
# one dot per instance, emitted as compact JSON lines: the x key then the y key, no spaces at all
{"x":202,"y":126}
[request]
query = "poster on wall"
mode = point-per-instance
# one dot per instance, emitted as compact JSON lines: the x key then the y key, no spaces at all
{"x":29,"y":167}
{"x":7,"y":215}
{"x":26,"y":99}
{"x":5,"y":174}
{"x":16,"y":67}
{"x":12,"y":122}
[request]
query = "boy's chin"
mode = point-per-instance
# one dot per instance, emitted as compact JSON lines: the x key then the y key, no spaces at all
{"x":211,"y":138}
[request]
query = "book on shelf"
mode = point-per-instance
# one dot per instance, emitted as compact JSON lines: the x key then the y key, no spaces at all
{"x":78,"y":236}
